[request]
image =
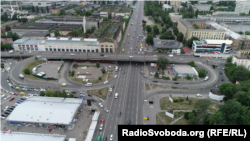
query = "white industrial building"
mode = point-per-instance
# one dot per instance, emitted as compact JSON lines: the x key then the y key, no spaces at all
{"x":184,"y":70}
{"x":54,"y":44}
{"x":92,"y":128}
{"x":242,"y":60}
{"x":216,"y":95}
{"x":46,"y":112}
{"x":24,"y":136}
{"x":212,"y":46}
{"x":242,"y":7}
{"x":226,"y":18}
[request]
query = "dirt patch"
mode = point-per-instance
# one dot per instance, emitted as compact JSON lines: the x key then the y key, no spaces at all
{"x":147,"y":86}
{"x":30,"y":66}
{"x":102,"y":93}
{"x":153,"y":86}
{"x":110,"y":75}
{"x":181,"y":121}
{"x":94,"y":81}
{"x":162,"y":119}
{"x":167,"y":105}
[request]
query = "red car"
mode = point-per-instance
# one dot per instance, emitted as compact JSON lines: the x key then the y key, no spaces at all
{"x":102,"y":121}
{"x":16,"y":94}
{"x":12,"y":99}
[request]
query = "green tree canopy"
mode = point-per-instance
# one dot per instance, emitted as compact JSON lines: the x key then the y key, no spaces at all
{"x":71,"y":95}
{"x":148,"y":28}
{"x":190,"y":41}
{"x":180,"y":37}
{"x":227,"y":90}
{"x":27,"y":71}
{"x":162,"y":61}
{"x":149,"y":39}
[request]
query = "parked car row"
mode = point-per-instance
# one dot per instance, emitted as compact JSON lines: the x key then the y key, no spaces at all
{"x":8,"y":109}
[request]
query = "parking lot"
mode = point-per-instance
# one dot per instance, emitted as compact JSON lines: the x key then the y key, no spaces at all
{"x":50,"y":69}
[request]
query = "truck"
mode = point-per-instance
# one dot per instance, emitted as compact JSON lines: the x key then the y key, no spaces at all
{"x":170,"y":55}
{"x":116,"y":68}
{"x":21,"y":76}
{"x":11,"y":51}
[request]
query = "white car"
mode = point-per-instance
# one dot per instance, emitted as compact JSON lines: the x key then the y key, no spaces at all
{"x":82,"y":95}
{"x":154,"y":56}
{"x":110,"y":89}
{"x":100,"y":104}
{"x":198,"y":95}
{"x":106,"y":82}
{"x":101,"y":100}
{"x":72,"y":54}
{"x":105,"y":56}
{"x":181,"y":59}
{"x":206,"y":78}
{"x":130,"y":56}
{"x":115,"y":76}
{"x":111,"y":137}
{"x":106,"y":110}
{"x":2,"y":117}
{"x":30,"y":94}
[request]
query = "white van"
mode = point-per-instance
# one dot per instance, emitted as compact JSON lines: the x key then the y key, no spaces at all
{"x":11,"y":51}
{"x":21,"y":76}
{"x":170,"y":55}
{"x":116,"y":95}
{"x":2,"y":96}
{"x":88,"y":85}
{"x":130,"y":57}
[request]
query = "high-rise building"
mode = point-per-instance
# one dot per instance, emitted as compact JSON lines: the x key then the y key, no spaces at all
{"x":242,"y":7}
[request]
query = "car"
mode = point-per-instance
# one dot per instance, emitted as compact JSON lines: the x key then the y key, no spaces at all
{"x":4,"y":115}
{"x":145,"y":76}
{"x":72,"y":54}
{"x":105,"y":139}
{"x":94,"y":100}
{"x":129,"y":122}
{"x":113,"y":87}
{"x":222,"y":79}
{"x":223,"y":68}
{"x":176,"y":82}
{"x":2,"y":118}
{"x":7,"y":112}
{"x":141,"y":72}
{"x":83,"y":98}
{"x":115,"y":76}
{"x":217,"y":86}
{"x":106,"y":82}
{"x":6,"y":107}
{"x":8,"y":81}
{"x":198,"y":95}
{"x":105,"y":56}
{"x":130,"y":57}
{"x":106,"y":110}
{"x":12,"y":99}
{"x":74,"y":92}
{"x":154,"y":56}
{"x":100,"y":104}
{"x":110,"y":89}
{"x":90,"y":95}
{"x":120,"y":69}
{"x":82,"y":95}
{"x":35,"y":94}
{"x":81,"y":92}
{"x":111,"y":137}
{"x":67,"y":91}
{"x":123,"y":72}
{"x":63,"y":84}
{"x":119,"y":114}
{"x":181,"y":59}
{"x":101,"y":100}
{"x":206,"y":78}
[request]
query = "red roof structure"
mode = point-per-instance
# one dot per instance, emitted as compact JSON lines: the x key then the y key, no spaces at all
{"x":187,"y":50}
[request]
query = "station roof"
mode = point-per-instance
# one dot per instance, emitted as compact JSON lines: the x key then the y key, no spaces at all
{"x":181,"y":69}
{"x":24,"y":136}
{"x":52,"y":110}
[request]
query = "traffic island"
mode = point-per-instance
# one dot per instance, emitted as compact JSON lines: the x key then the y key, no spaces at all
{"x":147,"y":86}
{"x":102,"y":93}
{"x":89,"y":73}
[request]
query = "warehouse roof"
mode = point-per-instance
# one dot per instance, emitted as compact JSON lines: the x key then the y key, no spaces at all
{"x":159,"y":43}
{"x":50,"y":110}
{"x":181,"y":69}
{"x":24,"y":136}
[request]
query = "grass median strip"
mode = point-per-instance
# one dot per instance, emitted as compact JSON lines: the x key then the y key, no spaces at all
{"x":102,"y":93}
{"x":162,"y":119}
{"x":147,"y":86}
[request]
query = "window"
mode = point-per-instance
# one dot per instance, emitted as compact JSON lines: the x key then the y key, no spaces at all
{"x":80,"y":50}
{"x":54,"y":49}
{"x":39,"y":3}
{"x":111,"y":50}
{"x":84,"y":50}
{"x":32,"y":48}
{"x":107,"y":50}
{"x":36,"y":48}
{"x":20,"y":48}
{"x":75,"y":50}
{"x":102,"y":50}
{"x":28,"y":48}
{"x":88,"y":50}
{"x":71,"y":50}
{"x":96,"y":50}
{"x":59,"y":49}
{"x":93,"y":50}
{"x":63,"y":49}
{"x":67,"y":49}
{"x":46,"y":49}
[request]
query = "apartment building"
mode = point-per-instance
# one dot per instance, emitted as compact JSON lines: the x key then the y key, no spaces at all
{"x":242,"y":7}
{"x":186,"y":27}
{"x":243,"y":60}
{"x":175,"y":17}
{"x":202,"y":7}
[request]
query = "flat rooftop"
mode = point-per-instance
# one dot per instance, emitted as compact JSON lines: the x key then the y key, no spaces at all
{"x":24,"y":136}
{"x":67,"y":41}
{"x":158,"y":43}
{"x":108,"y":30}
{"x":38,"y":26}
{"x":52,"y":110}
{"x":184,"y":69}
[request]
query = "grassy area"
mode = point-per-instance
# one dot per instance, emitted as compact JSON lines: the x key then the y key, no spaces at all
{"x":30,"y":66}
{"x":162,"y":119}
{"x":78,"y":80}
{"x":153,"y":86}
{"x":102,"y":93}
{"x":147,"y":86}
{"x":110,"y":75}
{"x":198,"y":68}
{"x":167,"y":105}
{"x":174,"y":87}
{"x":181,"y":121}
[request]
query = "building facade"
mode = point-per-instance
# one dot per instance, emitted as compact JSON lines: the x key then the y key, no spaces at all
{"x":64,"y":45}
{"x":186,"y":27}
{"x":212,"y":46}
{"x":242,"y":7}
{"x":175,"y":17}
{"x":202,"y":7}
{"x":244,"y":61}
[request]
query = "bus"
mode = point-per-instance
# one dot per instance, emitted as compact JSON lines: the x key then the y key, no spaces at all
{"x":99,"y":138}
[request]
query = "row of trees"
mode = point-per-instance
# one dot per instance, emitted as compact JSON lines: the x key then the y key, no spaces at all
{"x":50,"y":93}
{"x":12,"y":35}
{"x":40,"y":9}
